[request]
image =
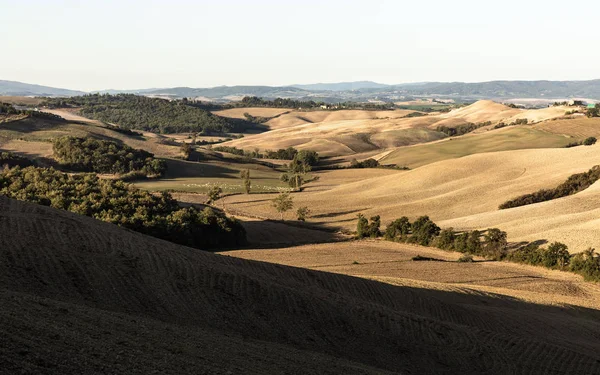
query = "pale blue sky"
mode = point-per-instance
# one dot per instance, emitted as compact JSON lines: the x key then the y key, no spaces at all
{"x":91,"y":45}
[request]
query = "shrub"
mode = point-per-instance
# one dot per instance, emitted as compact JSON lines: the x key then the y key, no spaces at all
{"x":467,"y":258}
{"x":302,"y":213}
{"x":365,"y":229}
{"x":423,"y":231}
{"x":368,"y":163}
{"x":589,"y":141}
{"x":398,"y":230}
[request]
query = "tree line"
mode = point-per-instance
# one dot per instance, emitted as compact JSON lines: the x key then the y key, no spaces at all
{"x":151,"y":114}
{"x":122,"y":204}
{"x":491,"y":244}
{"x":9,"y":160}
{"x":574,"y":184}
{"x":308,"y":157}
{"x":100,"y":156}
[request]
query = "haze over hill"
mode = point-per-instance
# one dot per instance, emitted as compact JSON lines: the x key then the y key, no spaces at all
{"x":357,"y":91}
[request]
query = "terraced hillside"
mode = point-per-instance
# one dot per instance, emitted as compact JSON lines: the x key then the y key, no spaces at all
{"x":79,"y":296}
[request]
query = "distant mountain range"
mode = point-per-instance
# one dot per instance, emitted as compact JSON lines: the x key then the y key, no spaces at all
{"x":13,"y":88}
{"x":350,"y":91}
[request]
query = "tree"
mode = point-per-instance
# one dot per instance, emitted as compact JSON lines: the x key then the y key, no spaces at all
{"x":374,"y":226}
{"x":446,"y":239}
{"x":296,"y":171}
{"x":186,"y":150}
{"x":474,"y":242}
{"x":398,"y":229}
{"x":214,"y":194}
{"x":557,"y":254}
{"x":302,"y":213}
{"x":495,"y":243}
{"x":245,"y":176}
{"x":589,"y":141}
{"x":362,"y":227}
{"x":423,"y":231}
{"x":282,"y":203}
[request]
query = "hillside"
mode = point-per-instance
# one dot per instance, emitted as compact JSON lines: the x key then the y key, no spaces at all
{"x":78,"y":296}
{"x":13,"y":88}
{"x":347,"y":132}
{"x":463,"y":193}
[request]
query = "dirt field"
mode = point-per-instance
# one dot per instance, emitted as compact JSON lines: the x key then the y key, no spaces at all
{"x":391,"y":262}
{"x":78,"y":295}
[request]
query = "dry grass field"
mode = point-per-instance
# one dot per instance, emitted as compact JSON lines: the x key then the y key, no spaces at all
{"x":509,"y":138}
{"x":463,"y":193}
{"x":346,"y":132}
{"x":79,"y":295}
{"x":392,"y":263}
{"x":21,"y":100}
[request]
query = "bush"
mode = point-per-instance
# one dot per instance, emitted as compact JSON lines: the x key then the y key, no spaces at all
{"x":365,"y":229}
{"x":398,"y":230}
{"x":423,"y":231}
{"x":122,"y":204}
{"x":368,"y":163}
{"x":589,"y":141}
{"x":467,"y":258}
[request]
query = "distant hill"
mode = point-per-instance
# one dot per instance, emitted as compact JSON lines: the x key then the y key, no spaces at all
{"x":13,"y":88}
{"x":230,"y":91}
{"x":342,"y":86}
{"x":507,"y":89}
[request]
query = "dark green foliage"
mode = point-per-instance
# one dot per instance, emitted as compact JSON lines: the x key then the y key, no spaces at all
{"x":120,"y":203}
{"x":557,"y":255}
{"x":574,"y":184}
{"x":254,"y":101}
{"x":374,"y":226}
{"x":362,"y":227}
{"x":368,"y":163}
{"x":302,"y":213}
{"x":474,"y":243}
{"x":495,"y":243}
{"x":446,"y":239}
{"x":93,"y":155}
{"x":460,"y":242}
{"x":462,"y":129}
{"x":229,"y":149}
{"x":214,"y":194}
{"x":282,"y":154}
{"x":10,"y":160}
{"x":467,"y":258}
{"x":151,"y":114}
{"x":586,"y":142}
{"x":587,"y":264}
{"x":423,"y":231}
{"x":594,"y":112}
{"x":308,"y":157}
{"x":398,"y":230}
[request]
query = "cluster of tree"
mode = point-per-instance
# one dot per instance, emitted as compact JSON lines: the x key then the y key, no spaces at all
{"x":10,"y":160}
{"x":254,"y":101}
{"x":100,"y":156}
{"x":151,"y":114}
{"x":462,"y":129}
{"x":129,"y":132}
{"x":586,"y":142}
{"x":574,"y":184}
{"x":367,"y":163}
{"x":594,"y":111}
{"x":296,"y":171}
{"x":308,"y":157}
{"x":120,"y":203}
{"x":557,"y":255}
{"x":491,"y":244}
{"x":256,"y":119}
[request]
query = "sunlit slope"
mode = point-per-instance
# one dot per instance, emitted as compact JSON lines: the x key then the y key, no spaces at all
{"x":509,"y":138}
{"x":449,"y":190}
{"x":141,"y":305}
{"x":347,"y":132}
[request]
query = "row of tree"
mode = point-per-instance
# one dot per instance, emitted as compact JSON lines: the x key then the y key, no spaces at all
{"x":574,"y":184}
{"x":461,"y":129}
{"x":100,"y":156}
{"x":120,"y":203}
{"x":308,"y":157}
{"x":491,"y":244}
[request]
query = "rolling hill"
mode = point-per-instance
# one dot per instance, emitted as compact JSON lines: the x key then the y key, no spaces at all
{"x":79,"y":295}
{"x":347,"y":132}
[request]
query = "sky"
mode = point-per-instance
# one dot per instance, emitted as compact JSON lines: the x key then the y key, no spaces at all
{"x":93,"y":45}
